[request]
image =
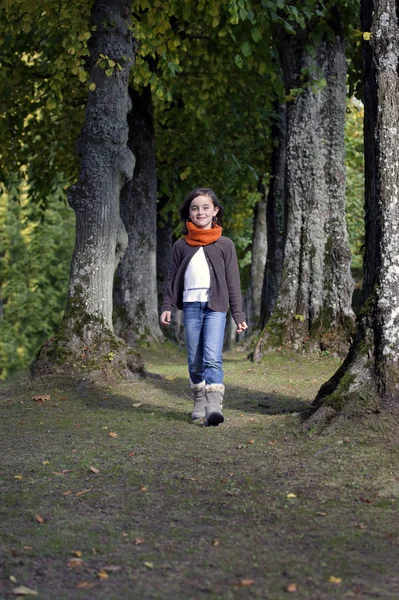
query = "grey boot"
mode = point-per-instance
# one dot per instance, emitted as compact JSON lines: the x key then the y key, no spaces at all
{"x":214,"y":403}
{"x":198,"y":390}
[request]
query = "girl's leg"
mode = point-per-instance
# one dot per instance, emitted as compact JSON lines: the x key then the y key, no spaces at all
{"x":213,"y":336}
{"x":193,"y":320}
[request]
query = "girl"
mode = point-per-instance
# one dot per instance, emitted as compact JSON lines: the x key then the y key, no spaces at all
{"x":203,"y":281}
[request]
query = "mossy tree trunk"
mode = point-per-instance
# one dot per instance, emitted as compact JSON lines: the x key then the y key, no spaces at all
{"x":135,"y":295}
{"x":85,"y":341}
{"x":370,"y":372}
{"x":314,"y":301}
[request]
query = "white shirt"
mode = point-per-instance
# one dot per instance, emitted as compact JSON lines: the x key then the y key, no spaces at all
{"x":197,"y":278}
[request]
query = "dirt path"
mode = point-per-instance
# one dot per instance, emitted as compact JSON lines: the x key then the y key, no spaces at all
{"x":249,"y":509}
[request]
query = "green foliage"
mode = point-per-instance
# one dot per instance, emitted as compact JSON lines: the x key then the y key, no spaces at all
{"x":35,"y":251}
{"x":355,"y":179}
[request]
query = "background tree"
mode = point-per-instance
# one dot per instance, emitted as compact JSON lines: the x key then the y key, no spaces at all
{"x":314,"y":301}
{"x":369,"y":375}
{"x":85,"y":339}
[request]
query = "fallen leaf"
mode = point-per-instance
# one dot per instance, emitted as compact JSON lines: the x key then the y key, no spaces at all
{"x":142,"y":488}
{"x":321,"y":514}
{"x":170,"y":377}
{"x":76,"y":553}
{"x":18,"y":477}
{"x":13,"y":579}
{"x":246,"y":582}
{"x":75,"y":562}
{"x":85,"y":584}
{"x":272,"y":443}
{"x":113,"y":434}
{"x":94,"y":470}
{"x":290,"y":495}
{"x":27,"y":547}
{"x":67,"y":493}
{"x":124,"y":534}
{"x":102,"y":574}
{"x":46,"y":462}
{"x":149,"y":565}
{"x":292,"y":587}
{"x":22,"y":590}
{"x":138,"y":540}
{"x":333,"y":579}
{"x":137,"y":404}
{"x":215,"y":542}
{"x":62,"y":472}
{"x":250,"y":441}
{"x":82,"y":492}
{"x":40,"y":398}
{"x":361,"y":526}
{"x":112,"y":568}
{"x":131,"y":453}
{"x":40,"y":519}
{"x":104,"y":427}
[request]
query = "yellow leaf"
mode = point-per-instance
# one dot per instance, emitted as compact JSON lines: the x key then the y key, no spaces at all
{"x":291,"y":495}
{"x":82,"y":75}
{"x":22,"y":590}
{"x":292,"y":587}
{"x":149,"y":565}
{"x":18,"y":477}
{"x":143,"y":488}
{"x":94,"y":470}
{"x":67,"y":493}
{"x":46,"y":462}
{"x":139,"y":540}
{"x":92,"y":87}
{"x":40,"y":519}
{"x":366,"y":36}
{"x":170,"y":377}
{"x":111,"y":62}
{"x":333,"y":579}
{"x":76,"y":553}
{"x":82,"y":492}
{"x":85,"y":584}
{"x":75,"y":562}
{"x":215,"y":542}
{"x":42,"y":398}
{"x":246,"y":582}
{"x":13,"y":579}
{"x":102,"y":574}
{"x":113,"y":434}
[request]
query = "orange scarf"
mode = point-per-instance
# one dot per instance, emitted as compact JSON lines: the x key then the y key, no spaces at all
{"x":202,"y":237}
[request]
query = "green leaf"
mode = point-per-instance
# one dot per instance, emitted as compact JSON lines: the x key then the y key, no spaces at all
{"x":256,"y":34}
{"x":246,"y":49}
{"x":238,"y":60}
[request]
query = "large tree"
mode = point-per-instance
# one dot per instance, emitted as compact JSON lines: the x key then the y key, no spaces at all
{"x":370,"y":373}
{"x":85,"y":340}
{"x":313,"y":306}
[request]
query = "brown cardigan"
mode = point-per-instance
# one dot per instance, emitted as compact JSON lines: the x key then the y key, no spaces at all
{"x":225,"y":277}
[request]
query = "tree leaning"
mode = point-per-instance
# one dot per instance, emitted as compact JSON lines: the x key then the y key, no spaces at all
{"x":85,"y":340}
{"x":369,"y":376}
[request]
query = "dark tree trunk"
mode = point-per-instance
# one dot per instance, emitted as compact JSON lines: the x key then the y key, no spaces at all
{"x":85,"y":341}
{"x":313,"y":308}
{"x":370,"y":372}
{"x":275,"y":218}
{"x":135,"y":294}
{"x":259,"y":254}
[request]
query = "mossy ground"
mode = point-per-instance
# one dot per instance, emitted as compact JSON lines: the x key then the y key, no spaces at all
{"x":189,"y":512}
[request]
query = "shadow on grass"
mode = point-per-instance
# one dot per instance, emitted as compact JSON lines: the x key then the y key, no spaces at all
{"x":237,"y":398}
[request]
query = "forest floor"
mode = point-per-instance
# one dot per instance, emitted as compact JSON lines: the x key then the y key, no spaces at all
{"x":112,"y":493}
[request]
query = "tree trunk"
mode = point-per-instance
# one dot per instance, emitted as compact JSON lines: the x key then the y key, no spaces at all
{"x":85,"y":341}
{"x":275,"y":218}
{"x":313,"y":308}
{"x":258,"y":263}
{"x":370,"y":372}
{"x":135,"y":294}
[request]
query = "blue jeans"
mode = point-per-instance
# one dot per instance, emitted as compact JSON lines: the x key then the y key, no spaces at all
{"x":204,"y":336}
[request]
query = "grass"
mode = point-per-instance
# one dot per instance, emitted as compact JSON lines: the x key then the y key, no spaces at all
{"x":178,"y":511}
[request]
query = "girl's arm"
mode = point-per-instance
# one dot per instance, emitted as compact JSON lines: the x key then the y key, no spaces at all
{"x":234,"y":287}
{"x":168,"y":301}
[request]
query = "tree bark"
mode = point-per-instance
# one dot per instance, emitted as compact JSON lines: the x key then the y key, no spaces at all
{"x":135,"y":293}
{"x":313,"y":308}
{"x":258,"y":263}
{"x":85,"y":341}
{"x":275,"y":218}
{"x":369,"y":377}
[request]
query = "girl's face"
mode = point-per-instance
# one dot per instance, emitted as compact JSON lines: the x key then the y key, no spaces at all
{"x":202,"y":210}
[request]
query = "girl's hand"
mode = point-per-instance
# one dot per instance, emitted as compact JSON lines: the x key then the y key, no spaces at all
{"x":241,"y":327}
{"x":165,"y":318}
